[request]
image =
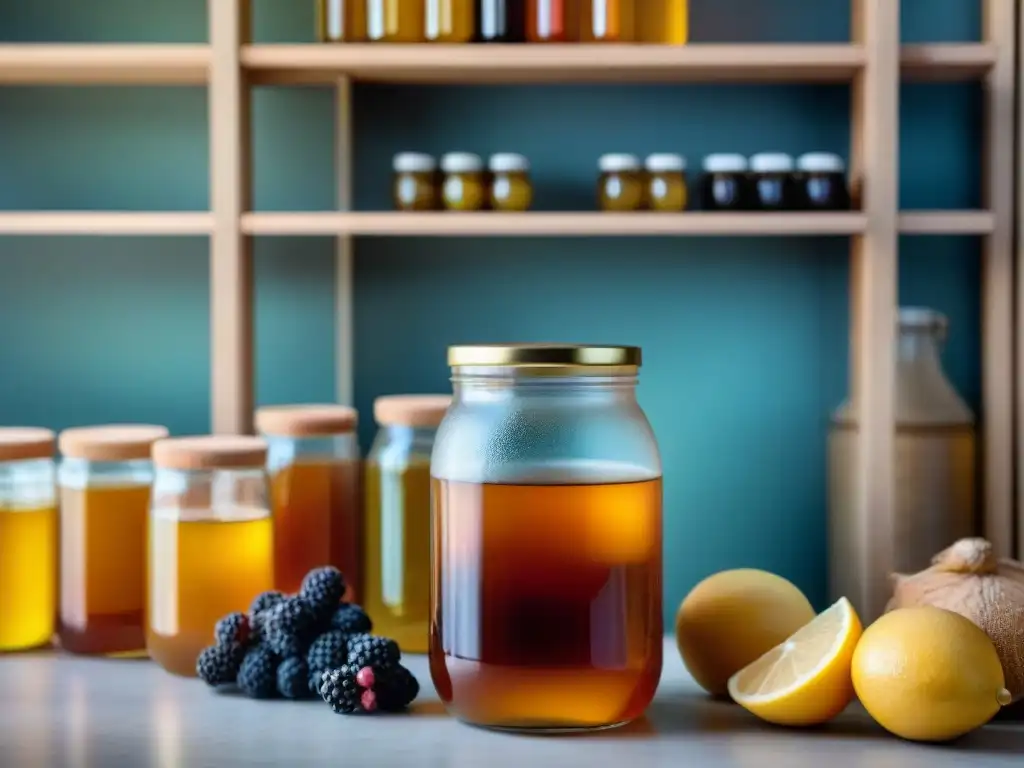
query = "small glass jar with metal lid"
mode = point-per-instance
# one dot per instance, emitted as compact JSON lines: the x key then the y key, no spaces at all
{"x":510,"y":188}
{"x":211,"y":541}
{"x":397,"y":521}
{"x":620,"y":186}
{"x":546,"y":507}
{"x":725,"y":184}
{"x":28,"y":527}
{"x":415,"y":184}
{"x":821,"y":182}
{"x":666,"y":182}
{"x":465,"y":185}
{"x":104,"y":481}
{"x":314,"y":468}
{"x":774,"y":182}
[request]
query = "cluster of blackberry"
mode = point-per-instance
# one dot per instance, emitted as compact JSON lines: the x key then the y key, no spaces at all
{"x":298,"y":646}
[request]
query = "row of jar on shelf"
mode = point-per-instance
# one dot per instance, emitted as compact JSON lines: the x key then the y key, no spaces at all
{"x":770,"y":181}
{"x":209,"y":523}
{"x":503,"y":21}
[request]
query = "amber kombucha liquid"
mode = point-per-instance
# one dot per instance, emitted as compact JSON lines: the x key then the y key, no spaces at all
{"x":316,"y":521}
{"x":103,"y":569}
{"x":610,"y":21}
{"x":546,"y":608}
{"x":397,"y":553}
{"x":28,"y":576}
{"x":663,"y":21}
{"x":199,"y":570}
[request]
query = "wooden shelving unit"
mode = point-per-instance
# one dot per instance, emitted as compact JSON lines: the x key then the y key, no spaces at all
{"x":873,"y":62}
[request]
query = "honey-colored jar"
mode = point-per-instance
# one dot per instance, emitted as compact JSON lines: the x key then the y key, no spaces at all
{"x":28,"y":527}
{"x":104,"y":480}
{"x":666,"y":182}
{"x":415,"y":184}
{"x":464,"y":187}
{"x":620,"y":186}
{"x":511,"y":189}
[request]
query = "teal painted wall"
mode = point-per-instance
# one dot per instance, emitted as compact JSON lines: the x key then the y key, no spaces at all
{"x":745,"y":340}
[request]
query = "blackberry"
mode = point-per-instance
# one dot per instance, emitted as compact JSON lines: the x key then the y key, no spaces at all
{"x":351,"y":619}
{"x":396,"y":687}
{"x":265,"y":601}
{"x":257,"y":677}
{"x":329,"y":651}
{"x":323,"y":589}
{"x":343,"y":692}
{"x":289,"y":627}
{"x":293,"y":678}
{"x":233,"y":629}
{"x":219,"y":664}
{"x":372,"y":651}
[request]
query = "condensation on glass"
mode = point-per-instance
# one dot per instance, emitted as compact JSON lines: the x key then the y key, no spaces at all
{"x":546,"y":508}
{"x":211,"y":541}
{"x":397,"y":522}
{"x":104,"y":482}
{"x":28,"y":538}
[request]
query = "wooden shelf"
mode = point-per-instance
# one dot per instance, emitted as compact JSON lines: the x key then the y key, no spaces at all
{"x":777,"y":63}
{"x":108,"y":64}
{"x":947,"y":223}
{"x":551,"y":224}
{"x":104,"y":223}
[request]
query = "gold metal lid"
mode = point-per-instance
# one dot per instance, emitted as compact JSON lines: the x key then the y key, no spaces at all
{"x":543,"y":355}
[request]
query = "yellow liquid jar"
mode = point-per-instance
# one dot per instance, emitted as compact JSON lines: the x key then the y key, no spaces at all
{"x":510,"y":188}
{"x":341,"y":21}
{"x":104,"y":480}
{"x":666,"y":183}
{"x":211,"y":541}
{"x":464,"y":187}
{"x":28,"y":538}
{"x":397,"y":520}
{"x":449,"y":21}
{"x":664,"y":22}
{"x":395,"y":21}
{"x":620,"y":186}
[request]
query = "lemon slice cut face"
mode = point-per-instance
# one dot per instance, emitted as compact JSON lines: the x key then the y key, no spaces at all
{"x":805,"y":680}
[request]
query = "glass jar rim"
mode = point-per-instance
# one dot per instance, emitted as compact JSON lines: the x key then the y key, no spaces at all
{"x":534,"y":355}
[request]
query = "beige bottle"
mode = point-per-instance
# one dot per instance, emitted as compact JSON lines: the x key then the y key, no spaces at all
{"x":934,"y":472}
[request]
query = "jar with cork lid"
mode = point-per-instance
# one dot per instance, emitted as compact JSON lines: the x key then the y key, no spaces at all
{"x":28,"y":526}
{"x":104,"y":482}
{"x":397,"y":549}
{"x":211,"y":541}
{"x":313,"y":463}
{"x":510,"y":189}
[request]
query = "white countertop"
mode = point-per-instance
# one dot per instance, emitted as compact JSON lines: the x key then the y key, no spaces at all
{"x":58,"y":710}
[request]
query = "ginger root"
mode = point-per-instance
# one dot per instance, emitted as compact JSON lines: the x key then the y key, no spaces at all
{"x":968,"y":579}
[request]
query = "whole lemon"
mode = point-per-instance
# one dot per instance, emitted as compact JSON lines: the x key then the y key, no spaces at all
{"x":734,"y":617}
{"x":928,"y":674}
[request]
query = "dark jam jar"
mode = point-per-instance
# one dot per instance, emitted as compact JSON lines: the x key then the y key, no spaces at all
{"x":774,"y":182}
{"x":821,"y":182}
{"x":500,"y":21}
{"x":724,"y":183}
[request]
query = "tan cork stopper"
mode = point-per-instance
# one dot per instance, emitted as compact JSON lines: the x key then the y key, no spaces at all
{"x":411,"y":410}
{"x":22,"y":443}
{"x":306,"y":420}
{"x":111,"y":442}
{"x":210,"y":452}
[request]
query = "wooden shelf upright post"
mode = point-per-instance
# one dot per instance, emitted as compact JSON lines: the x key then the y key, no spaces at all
{"x":997,"y":427}
{"x":873,"y":299}
{"x":343,"y":296}
{"x":231,"y":305}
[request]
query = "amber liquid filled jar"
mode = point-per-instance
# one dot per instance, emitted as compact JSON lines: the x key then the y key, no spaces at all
{"x":449,"y":21}
{"x":608,"y":21}
{"x":211,"y":542}
{"x":104,"y":482}
{"x":546,"y":509}
{"x":465,"y":186}
{"x":510,"y":188}
{"x":28,"y":538}
{"x":313,"y":462}
{"x":341,"y":21}
{"x":397,"y":522}
{"x":666,"y":182}
{"x":553,"y":21}
{"x":620,"y":186}
{"x":395,"y":21}
{"x":415,"y":185}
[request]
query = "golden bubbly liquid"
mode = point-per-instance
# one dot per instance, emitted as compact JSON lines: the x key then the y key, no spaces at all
{"x":316,"y":521}
{"x":546,"y":605}
{"x":103,"y":568}
{"x":199,"y":570}
{"x":397,"y":553}
{"x":28,"y":576}
{"x":450,"y":21}
{"x":663,"y":21}
{"x":395,"y":21}
{"x":608,"y":21}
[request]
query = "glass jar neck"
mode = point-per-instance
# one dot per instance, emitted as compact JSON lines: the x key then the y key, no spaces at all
{"x":495,"y":384}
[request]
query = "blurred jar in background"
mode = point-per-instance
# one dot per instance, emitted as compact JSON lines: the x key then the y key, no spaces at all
{"x":104,"y":481}
{"x":313,"y":462}
{"x":397,"y":552}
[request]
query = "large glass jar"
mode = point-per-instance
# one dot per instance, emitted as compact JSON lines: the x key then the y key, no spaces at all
{"x":211,"y":541}
{"x":397,"y":549}
{"x":28,"y":538}
{"x":314,"y":489}
{"x":546,"y":608}
{"x":104,"y":480}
